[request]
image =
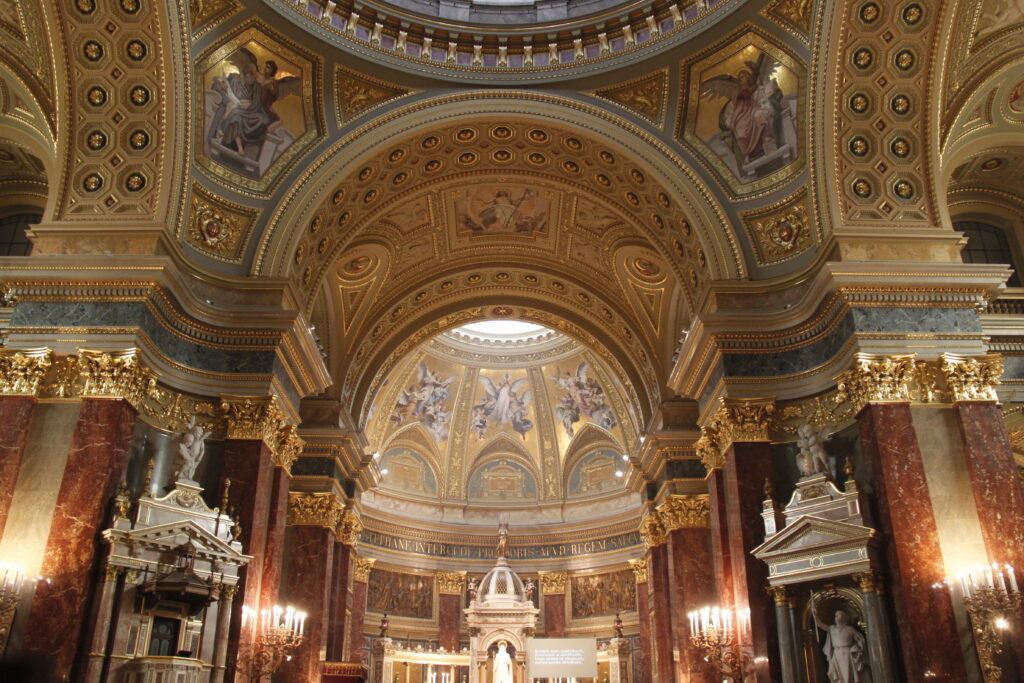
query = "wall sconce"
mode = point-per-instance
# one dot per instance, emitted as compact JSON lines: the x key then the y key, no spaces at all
{"x":12,"y":583}
{"x":279,"y":633}
{"x":715,"y":632}
{"x":991,"y":597}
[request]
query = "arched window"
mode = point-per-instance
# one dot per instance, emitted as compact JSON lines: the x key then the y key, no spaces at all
{"x":13,"y":240}
{"x":987,"y":243}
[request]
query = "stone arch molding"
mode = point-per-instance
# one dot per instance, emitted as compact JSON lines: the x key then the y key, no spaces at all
{"x":712,"y":232}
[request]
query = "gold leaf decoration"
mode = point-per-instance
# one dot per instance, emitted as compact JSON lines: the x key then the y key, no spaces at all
{"x":781,"y":231}
{"x":217,"y":227}
{"x":795,"y":13}
{"x":644,"y":96}
{"x":357,"y":93}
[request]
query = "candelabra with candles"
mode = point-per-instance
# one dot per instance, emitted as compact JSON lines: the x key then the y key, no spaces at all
{"x":279,"y":633}
{"x":991,"y":598}
{"x":12,"y":583}
{"x":716,"y":632}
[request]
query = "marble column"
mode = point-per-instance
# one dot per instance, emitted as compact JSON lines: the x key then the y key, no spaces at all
{"x":340,"y":602}
{"x":663,"y":664}
{"x":929,"y":640}
{"x":220,"y":637}
{"x":450,"y":588}
{"x":718,"y":526}
{"x":354,"y":640}
{"x":96,"y":463}
{"x":552,"y":588}
{"x":689,"y":555}
{"x":787,"y":662}
{"x":643,"y":610}
{"x":103,"y":613}
{"x":877,"y":632}
{"x":15,"y":419}
{"x":309,"y":582}
{"x":277,"y":515}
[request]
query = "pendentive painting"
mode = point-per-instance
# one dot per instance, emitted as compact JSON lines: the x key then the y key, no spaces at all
{"x":258,"y":109}
{"x":743,"y":109}
{"x":427,"y":398}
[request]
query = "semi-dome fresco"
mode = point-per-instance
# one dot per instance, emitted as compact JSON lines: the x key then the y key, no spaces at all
{"x":501,"y":413}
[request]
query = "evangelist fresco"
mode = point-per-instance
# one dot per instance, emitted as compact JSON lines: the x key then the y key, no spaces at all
{"x":743,"y":111}
{"x":407,"y":471}
{"x":578,"y":395}
{"x":602,"y":594}
{"x":505,"y":401}
{"x":594,"y":473}
{"x":257,"y":109}
{"x":502,"y":208}
{"x":400,"y":595}
{"x":500,"y":481}
{"x":428,"y":400}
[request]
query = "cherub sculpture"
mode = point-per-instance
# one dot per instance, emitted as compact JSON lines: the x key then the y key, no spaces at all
{"x":191,"y":448}
{"x":812,"y":459}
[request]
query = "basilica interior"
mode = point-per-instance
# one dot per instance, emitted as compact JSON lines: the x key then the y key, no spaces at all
{"x":493,"y":341}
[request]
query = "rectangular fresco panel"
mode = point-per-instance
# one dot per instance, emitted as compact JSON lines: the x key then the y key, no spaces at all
{"x":603,"y":594}
{"x":503,"y":208}
{"x":400,"y":595}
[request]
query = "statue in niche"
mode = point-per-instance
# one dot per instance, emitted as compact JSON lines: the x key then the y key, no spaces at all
{"x":844,"y":649}
{"x":502,"y":664}
{"x":191,"y":448}
{"x":502,"y":549}
{"x":812,"y":459}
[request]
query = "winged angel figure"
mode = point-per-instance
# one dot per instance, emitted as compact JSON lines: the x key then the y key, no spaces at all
{"x":752,"y":116}
{"x":246,"y":111}
{"x":503,"y":403}
{"x":583,"y":397}
{"x":426,"y":402}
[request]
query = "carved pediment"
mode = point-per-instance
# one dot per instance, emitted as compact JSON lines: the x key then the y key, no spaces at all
{"x":812,"y":534}
{"x":170,"y":536}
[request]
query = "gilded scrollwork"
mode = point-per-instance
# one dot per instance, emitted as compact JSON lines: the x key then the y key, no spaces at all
{"x":22,"y":372}
{"x":252,"y":418}
{"x":652,"y":530}
{"x":287,"y":447}
{"x":876,"y":378}
{"x":314,"y":509}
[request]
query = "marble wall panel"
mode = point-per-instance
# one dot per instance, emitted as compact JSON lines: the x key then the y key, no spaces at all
{"x":277,"y":516}
{"x":642,"y":657}
{"x":661,"y":622}
{"x":554,"y":615}
{"x":340,"y":598}
{"x":308,"y":588}
{"x":689,"y":552}
{"x":449,"y":611}
{"x":15,"y":420}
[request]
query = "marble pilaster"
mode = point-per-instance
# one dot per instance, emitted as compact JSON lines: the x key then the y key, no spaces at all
{"x":308,"y":588}
{"x":693,"y":587}
{"x":663,"y":668}
{"x":718,"y":526}
{"x":354,"y":640}
{"x":339,"y":602}
{"x":270,"y":582}
{"x":451,"y":586}
{"x":643,"y":609}
{"x":15,"y":420}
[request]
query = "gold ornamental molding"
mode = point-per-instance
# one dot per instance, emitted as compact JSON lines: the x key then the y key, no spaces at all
{"x":314,"y":509}
{"x":972,"y":379}
{"x":553,"y":583}
{"x":652,"y":530}
{"x":876,"y":379}
{"x":639,"y":568}
{"x":361,"y":570}
{"x":685,"y":512}
{"x":746,"y":419}
{"x":349,"y":527}
{"x":450,"y":583}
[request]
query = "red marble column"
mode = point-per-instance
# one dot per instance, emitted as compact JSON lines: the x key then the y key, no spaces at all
{"x":718,"y":524}
{"x":689,"y":551}
{"x":357,"y":614}
{"x":554,"y":614}
{"x":747,"y":465}
{"x":930,"y":644}
{"x":660,"y":596}
{"x":15,"y":418}
{"x":96,"y":464}
{"x":340,"y":600}
{"x":308,"y":588}
{"x":247,"y":464}
{"x":643,"y":610}
{"x":449,"y":610}
{"x":270,"y":583}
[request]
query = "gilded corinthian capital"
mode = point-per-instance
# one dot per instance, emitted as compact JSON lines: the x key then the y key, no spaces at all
{"x":876,"y":379}
{"x":361,"y":569}
{"x":450,"y":583}
{"x":639,"y":568}
{"x":972,"y":379}
{"x":552,"y":583}
{"x":314,"y":509}
{"x":685,"y":512}
{"x":22,"y":372}
{"x":286,"y":447}
{"x":257,"y":418}
{"x":652,"y":530}
{"x":349,"y":527}
{"x":737,"y":419}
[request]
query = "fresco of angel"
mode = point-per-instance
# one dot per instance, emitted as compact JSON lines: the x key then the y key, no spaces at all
{"x":425,"y":401}
{"x":583,"y":397}
{"x":504,"y":403}
{"x":502,"y":210}
{"x":246,"y":132}
{"x":753,"y":138}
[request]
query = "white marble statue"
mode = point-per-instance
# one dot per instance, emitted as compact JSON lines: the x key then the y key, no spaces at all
{"x":812,"y":459}
{"x":191,"y":448}
{"x":844,"y":649}
{"x":502,"y":665}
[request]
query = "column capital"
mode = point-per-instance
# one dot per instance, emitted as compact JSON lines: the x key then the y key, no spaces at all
{"x":286,"y":447}
{"x":258,"y":418}
{"x":349,"y":527}
{"x":779,"y":595}
{"x":450,"y":583}
{"x":553,"y":583}
{"x":361,"y":570}
{"x":972,"y":378}
{"x":652,"y":530}
{"x":685,"y":512}
{"x":639,"y":568}
{"x":876,"y":379}
{"x":869,"y":581}
{"x":314,"y":509}
{"x":22,"y":371}
{"x":737,"y":419}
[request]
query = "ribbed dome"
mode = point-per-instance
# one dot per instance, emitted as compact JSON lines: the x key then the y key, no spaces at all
{"x":501,"y":585}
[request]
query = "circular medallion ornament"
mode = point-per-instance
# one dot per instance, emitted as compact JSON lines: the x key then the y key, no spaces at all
{"x":859,"y":103}
{"x":365,"y":173}
{"x":555,"y":284}
{"x":903,"y":189}
{"x":583,"y":297}
{"x":603,"y":180}
{"x":139,"y":139}
{"x":570,"y":167}
{"x":862,"y":188}
{"x":502,"y":156}
{"x":343,"y":218}
{"x":991,"y":164}
{"x":536,"y":158}
{"x":136,"y":50}
{"x":421,"y":296}
{"x":664,"y":200}
{"x":396,"y":155}
{"x":468,"y":158}
{"x":213,"y":231}
{"x":85,"y":6}
{"x":632,"y":199}
{"x":859,"y":146}
{"x":466,"y":135}
{"x":430,"y":142}
{"x":92,"y":182}
{"x":900,"y":147}
{"x":97,"y":96}
{"x":684,"y":225}
{"x":863,"y":58}
{"x":400,"y":178}
{"x":447,"y":284}
{"x":135,"y":182}
{"x":680,"y":249}
{"x":140,"y":95}
{"x":869,"y":12}
{"x":606,"y":157}
{"x":573,"y":144}
{"x":502,"y":277}
{"x":530,"y":279}
{"x":321,"y":247}
{"x":299,"y":253}
{"x":131,"y":6}
{"x":370,"y":196}
{"x":337,"y":197}
{"x":538,"y":136}
{"x":900,"y":104}
{"x":92,"y":50}
{"x":659,"y":222}
{"x":502,"y":311}
{"x":473,"y":279}
{"x":433,"y":166}
{"x":646,"y":267}
{"x":501,"y":133}
{"x":912,"y":14}
{"x":314,"y":225}
{"x":307,"y":275}
{"x":96,"y":140}
{"x":637,"y":176}
{"x":904,"y":60}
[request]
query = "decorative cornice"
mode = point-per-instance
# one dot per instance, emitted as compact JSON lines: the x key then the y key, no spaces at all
{"x":314,"y":509}
{"x":685,"y":512}
{"x":260,"y":419}
{"x":639,"y":568}
{"x":652,"y":530}
{"x":876,"y":379}
{"x":553,"y":583}
{"x":22,"y":372}
{"x":972,"y":379}
{"x":349,"y":527}
{"x":450,"y":583}
{"x":361,"y":569}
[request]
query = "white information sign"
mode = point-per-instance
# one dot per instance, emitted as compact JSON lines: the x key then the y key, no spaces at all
{"x":563,"y":658}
